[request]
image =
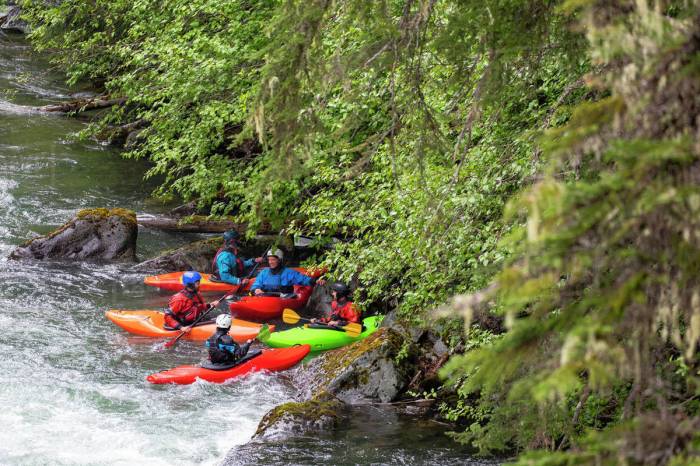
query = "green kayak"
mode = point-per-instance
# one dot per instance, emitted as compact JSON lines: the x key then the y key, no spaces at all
{"x":320,"y":339}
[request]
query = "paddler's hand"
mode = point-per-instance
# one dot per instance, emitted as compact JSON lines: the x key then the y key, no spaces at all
{"x":244,"y":281}
{"x":333,"y":323}
{"x":186,"y":329}
{"x":259,"y":259}
{"x":258,"y":292}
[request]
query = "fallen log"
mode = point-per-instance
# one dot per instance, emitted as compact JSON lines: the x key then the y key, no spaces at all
{"x":82,"y":105}
{"x":196,"y":224}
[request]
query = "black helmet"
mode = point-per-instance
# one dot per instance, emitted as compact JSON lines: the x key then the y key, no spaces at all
{"x":231,"y":236}
{"x":341,"y":289}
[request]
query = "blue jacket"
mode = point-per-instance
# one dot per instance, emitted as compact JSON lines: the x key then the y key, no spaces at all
{"x":228,"y":268}
{"x":280,"y":282}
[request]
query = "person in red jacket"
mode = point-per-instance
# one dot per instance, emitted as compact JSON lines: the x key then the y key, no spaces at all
{"x":187,"y":305}
{"x":343,"y":311}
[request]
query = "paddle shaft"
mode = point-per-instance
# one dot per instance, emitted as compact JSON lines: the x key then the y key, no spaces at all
{"x":212,"y":305}
{"x":350,"y":327}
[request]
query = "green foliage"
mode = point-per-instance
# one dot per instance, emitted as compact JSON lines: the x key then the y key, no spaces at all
{"x":189,"y":71}
{"x":601,"y":292}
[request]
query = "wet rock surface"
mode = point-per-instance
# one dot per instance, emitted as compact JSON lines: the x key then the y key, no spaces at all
{"x":375,"y":371}
{"x":10,"y":19}
{"x":92,"y":235}
{"x":365,"y":435}
{"x":321,"y":413}
{"x":377,"y":368}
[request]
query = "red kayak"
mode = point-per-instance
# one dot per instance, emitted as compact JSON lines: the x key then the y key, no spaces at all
{"x":272,"y":360}
{"x":173,"y":281}
{"x":269,"y":307}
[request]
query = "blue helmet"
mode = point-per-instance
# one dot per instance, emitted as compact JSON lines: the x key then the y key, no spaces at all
{"x":190,"y":277}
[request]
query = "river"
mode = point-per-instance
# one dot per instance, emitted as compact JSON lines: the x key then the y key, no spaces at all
{"x":72,"y":385}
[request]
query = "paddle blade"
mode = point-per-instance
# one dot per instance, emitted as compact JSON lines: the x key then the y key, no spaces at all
{"x":353,"y":329}
{"x":170,"y":343}
{"x":264,"y":333}
{"x":289,"y":316}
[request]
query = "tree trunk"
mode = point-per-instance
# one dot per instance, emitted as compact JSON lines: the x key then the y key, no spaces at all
{"x":196,"y":224}
{"x":82,"y":105}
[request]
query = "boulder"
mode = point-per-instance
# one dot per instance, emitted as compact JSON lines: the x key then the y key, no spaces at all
{"x":10,"y":20}
{"x":377,"y":368}
{"x":321,"y":413}
{"x":319,"y":303}
{"x":195,"y":256}
{"x":200,"y":254}
{"x":93,"y":234}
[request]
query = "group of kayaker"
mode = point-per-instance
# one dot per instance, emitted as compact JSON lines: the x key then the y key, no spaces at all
{"x":187,"y":306}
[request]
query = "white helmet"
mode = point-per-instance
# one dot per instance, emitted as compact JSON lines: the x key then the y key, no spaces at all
{"x":275,"y":252}
{"x":223,"y":321}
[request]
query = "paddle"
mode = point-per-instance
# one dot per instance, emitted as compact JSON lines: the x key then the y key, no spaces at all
{"x":290,"y":316}
{"x":212,"y":305}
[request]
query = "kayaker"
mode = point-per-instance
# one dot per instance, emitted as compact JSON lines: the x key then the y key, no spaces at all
{"x":228,"y":266}
{"x":222,"y":348}
{"x":186,"y":305}
{"x":278,"y":278}
{"x":343,"y":311}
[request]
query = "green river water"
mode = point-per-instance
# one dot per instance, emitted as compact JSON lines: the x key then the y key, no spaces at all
{"x":72,"y":385}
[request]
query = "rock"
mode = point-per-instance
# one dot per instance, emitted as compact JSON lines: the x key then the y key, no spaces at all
{"x":199,"y":255}
{"x":377,"y":368}
{"x":195,"y":256}
{"x":93,"y":234}
{"x":10,"y":20}
{"x":321,"y":413}
{"x":185,"y":210}
{"x":319,"y":303}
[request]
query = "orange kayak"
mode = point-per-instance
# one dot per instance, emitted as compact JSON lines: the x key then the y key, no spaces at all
{"x":149,"y":323}
{"x":173,"y":281}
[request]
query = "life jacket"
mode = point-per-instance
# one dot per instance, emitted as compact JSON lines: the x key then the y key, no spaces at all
{"x":240,"y":266}
{"x":347,"y":311}
{"x":184,"y":308}
{"x":218,"y":354}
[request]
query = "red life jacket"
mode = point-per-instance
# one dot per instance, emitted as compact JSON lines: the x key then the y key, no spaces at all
{"x":184,"y":308}
{"x":347,"y":312}
{"x":240,"y":266}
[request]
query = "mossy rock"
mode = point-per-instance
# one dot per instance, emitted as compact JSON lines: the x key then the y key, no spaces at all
{"x":377,"y":368}
{"x":92,"y":235}
{"x":321,"y":413}
{"x":101,"y":213}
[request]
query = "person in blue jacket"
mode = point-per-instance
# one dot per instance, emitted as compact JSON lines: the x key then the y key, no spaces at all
{"x":278,"y":278}
{"x":228,"y":266}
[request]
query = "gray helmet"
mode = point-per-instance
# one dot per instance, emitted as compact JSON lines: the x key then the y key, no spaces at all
{"x":275,"y":252}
